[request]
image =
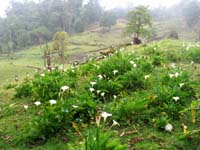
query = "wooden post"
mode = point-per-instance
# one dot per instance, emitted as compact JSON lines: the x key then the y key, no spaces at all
{"x":49,"y":60}
{"x":45,"y":56}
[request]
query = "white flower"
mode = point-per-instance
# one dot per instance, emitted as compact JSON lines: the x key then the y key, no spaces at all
{"x":105,"y":115}
{"x":134,"y":65}
{"x":61,"y":67}
{"x":171,"y":75}
{"x":93,"y":83}
{"x":114,"y":96}
{"x":146,"y":77}
{"x":103,"y":94}
{"x":154,"y":48}
{"x":115,"y":71}
{"x":169,"y":127}
{"x":98,"y":120}
{"x":100,"y":76}
{"x":115,"y":123}
{"x":42,"y":75}
{"x":91,"y":89}
{"x":64,"y":88}
{"x":74,"y":106}
{"x":25,"y":107}
{"x":52,"y":102}
{"x":181,"y":85}
{"x":132,"y":62}
{"x":27,"y":75}
{"x":122,"y":134}
{"x":37,"y":103}
{"x":192,"y":62}
{"x":173,"y":65}
{"x":98,"y":91}
{"x":176,"y":98}
{"x":176,"y":74}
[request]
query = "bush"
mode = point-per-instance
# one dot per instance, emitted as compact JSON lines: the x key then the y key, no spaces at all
{"x":194,"y":54}
{"x":45,"y":87}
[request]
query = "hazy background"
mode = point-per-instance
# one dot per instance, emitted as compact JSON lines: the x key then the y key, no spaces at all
{"x":109,"y":4}
{"x":26,"y":23}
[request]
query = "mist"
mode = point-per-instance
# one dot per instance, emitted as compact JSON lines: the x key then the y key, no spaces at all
{"x":110,"y":4}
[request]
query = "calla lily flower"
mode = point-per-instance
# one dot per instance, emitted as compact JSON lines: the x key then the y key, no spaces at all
{"x":103,"y":94}
{"x":115,"y":72}
{"x":146,"y":77}
{"x":115,"y":123}
{"x":25,"y":107}
{"x":176,"y":98}
{"x":91,"y":89}
{"x":37,"y":103}
{"x":64,"y":88}
{"x":169,"y":127}
{"x":93,"y":83}
{"x":105,"y":115}
{"x":52,"y":102}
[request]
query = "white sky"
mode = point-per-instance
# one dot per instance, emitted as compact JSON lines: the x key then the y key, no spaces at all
{"x":108,"y":4}
{"x":128,"y":3}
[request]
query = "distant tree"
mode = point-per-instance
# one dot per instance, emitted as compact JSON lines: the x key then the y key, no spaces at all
{"x":60,"y":41}
{"x":92,"y":11}
{"x":60,"y":44}
{"x":40,"y":35}
{"x":139,"y":22}
{"x":108,"y":19}
{"x":28,"y":22}
{"x":191,"y":12}
{"x":173,"y":35}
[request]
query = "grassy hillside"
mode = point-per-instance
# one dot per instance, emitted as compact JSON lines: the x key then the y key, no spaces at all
{"x":79,"y":47}
{"x":145,"y":88}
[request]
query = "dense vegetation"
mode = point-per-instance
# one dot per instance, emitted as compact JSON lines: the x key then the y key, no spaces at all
{"x":146,"y":88}
{"x":135,"y":97}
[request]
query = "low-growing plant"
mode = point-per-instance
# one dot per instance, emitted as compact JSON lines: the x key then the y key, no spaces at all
{"x":47,"y":86}
{"x":58,"y":117}
{"x":193,"y":54}
{"x":24,"y":90}
{"x":100,"y":138}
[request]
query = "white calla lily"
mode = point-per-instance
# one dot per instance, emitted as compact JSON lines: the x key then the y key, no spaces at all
{"x":105,"y":115}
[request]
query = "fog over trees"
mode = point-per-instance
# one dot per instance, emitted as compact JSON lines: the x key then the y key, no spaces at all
{"x":29,"y":23}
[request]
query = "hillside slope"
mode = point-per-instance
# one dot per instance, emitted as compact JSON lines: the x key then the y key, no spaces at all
{"x":79,"y":48}
{"x":150,"y":90}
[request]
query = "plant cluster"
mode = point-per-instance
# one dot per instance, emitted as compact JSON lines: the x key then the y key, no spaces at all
{"x":134,"y":88}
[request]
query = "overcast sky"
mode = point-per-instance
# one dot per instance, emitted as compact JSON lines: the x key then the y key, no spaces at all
{"x":108,"y":4}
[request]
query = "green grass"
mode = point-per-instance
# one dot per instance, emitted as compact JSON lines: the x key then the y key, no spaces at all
{"x":13,"y":117}
{"x":80,"y":44}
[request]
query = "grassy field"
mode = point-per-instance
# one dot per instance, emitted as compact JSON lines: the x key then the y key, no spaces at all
{"x":13,"y":117}
{"x":79,"y":45}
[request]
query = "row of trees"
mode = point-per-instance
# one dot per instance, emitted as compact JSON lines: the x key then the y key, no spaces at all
{"x":29,"y":23}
